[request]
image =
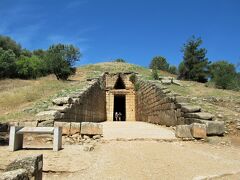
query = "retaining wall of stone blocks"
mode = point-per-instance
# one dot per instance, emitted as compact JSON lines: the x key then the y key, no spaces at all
{"x":156,"y":104}
{"x":87,"y":105}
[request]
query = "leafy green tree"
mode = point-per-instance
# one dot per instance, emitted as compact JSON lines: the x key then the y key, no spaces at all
{"x":223,"y":74}
{"x":119,"y":60}
{"x":31,"y":67}
{"x":7,"y":63}
{"x":61,"y":59}
{"x":172,"y":69}
{"x":26,"y":53}
{"x":6,"y":43}
{"x":194,"y":61}
{"x":40,"y":53}
{"x":159,"y":63}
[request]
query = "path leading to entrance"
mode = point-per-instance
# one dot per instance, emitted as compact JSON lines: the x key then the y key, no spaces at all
{"x":136,"y":130}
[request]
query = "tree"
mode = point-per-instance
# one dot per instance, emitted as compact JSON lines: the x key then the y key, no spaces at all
{"x":31,"y":67}
{"x":119,"y":60}
{"x":6,"y":43}
{"x":61,"y":59}
{"x":223,"y":74}
{"x":172,"y":70}
{"x":7,"y":63}
{"x":40,"y":53}
{"x":194,"y":61}
{"x":26,"y":53}
{"x":159,"y":63}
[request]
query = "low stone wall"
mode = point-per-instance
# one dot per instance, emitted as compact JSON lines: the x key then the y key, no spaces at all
{"x":87,"y":105}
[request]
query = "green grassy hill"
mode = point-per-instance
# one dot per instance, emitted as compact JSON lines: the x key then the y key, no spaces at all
{"x":22,"y":99}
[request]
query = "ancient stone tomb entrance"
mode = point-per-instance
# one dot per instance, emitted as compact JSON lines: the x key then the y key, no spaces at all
{"x":120,"y":96}
{"x":120,"y":106}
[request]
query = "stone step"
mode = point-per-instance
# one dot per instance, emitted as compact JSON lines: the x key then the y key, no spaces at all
{"x":183,"y":131}
{"x":61,"y":109}
{"x":190,"y":109}
{"x":199,"y":115}
{"x":213,"y":127}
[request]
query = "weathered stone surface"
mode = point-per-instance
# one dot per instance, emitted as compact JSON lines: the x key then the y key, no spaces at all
{"x":88,"y":147}
{"x":48,"y":115}
{"x":166,"y":81}
{"x":192,"y":120}
{"x":215,"y":127}
{"x":62,"y":100}
{"x":176,"y":82}
{"x":65,"y":127}
{"x":47,"y":123}
{"x":90,"y":128}
{"x":18,"y":174}
{"x":198,"y":130}
{"x":75,"y":128}
{"x":183,"y":131}
{"x":61,"y":109}
{"x":180,"y":104}
{"x":33,"y":165}
{"x":97,"y":137}
{"x":199,"y":115}
{"x":190,"y":109}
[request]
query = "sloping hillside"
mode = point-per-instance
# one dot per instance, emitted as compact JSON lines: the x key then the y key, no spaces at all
{"x":21,"y":99}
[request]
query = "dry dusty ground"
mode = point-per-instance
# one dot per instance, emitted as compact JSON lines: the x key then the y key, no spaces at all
{"x":134,"y":150}
{"x":145,"y":159}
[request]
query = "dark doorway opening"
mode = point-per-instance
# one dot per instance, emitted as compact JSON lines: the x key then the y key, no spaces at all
{"x":119,"y":83}
{"x":119,"y":107}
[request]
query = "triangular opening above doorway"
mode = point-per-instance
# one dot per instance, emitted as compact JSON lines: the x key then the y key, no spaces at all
{"x":119,"y":84}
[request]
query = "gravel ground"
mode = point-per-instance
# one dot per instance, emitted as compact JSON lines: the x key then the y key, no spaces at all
{"x":136,"y":160}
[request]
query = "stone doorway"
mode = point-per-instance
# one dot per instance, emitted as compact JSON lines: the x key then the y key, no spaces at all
{"x":120,"y":96}
{"x":120,"y":106}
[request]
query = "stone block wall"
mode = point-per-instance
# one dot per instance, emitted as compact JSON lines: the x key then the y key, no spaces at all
{"x":87,"y":105}
{"x":155,"y":104}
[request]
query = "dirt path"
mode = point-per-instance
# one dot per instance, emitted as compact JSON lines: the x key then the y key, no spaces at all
{"x":136,"y":160}
{"x":136,"y":130}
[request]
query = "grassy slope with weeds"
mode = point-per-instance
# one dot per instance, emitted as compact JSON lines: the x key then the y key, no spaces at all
{"x":224,"y":104}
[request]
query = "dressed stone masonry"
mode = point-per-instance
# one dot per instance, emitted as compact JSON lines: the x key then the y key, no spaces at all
{"x":86,"y":105}
{"x":142,"y":100}
{"x":156,"y":104}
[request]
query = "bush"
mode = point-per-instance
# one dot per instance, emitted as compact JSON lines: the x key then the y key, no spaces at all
{"x":172,"y":70}
{"x":7,"y":63}
{"x":119,"y":60}
{"x":224,"y":75}
{"x":133,"y":78}
{"x":159,"y":63}
{"x":155,"y":74}
{"x":31,"y":67}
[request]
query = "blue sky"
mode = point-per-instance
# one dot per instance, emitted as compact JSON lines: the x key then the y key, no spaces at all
{"x":135,"y":30}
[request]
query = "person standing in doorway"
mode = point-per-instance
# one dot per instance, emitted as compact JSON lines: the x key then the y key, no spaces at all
{"x":116,"y":116}
{"x":120,"y":116}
